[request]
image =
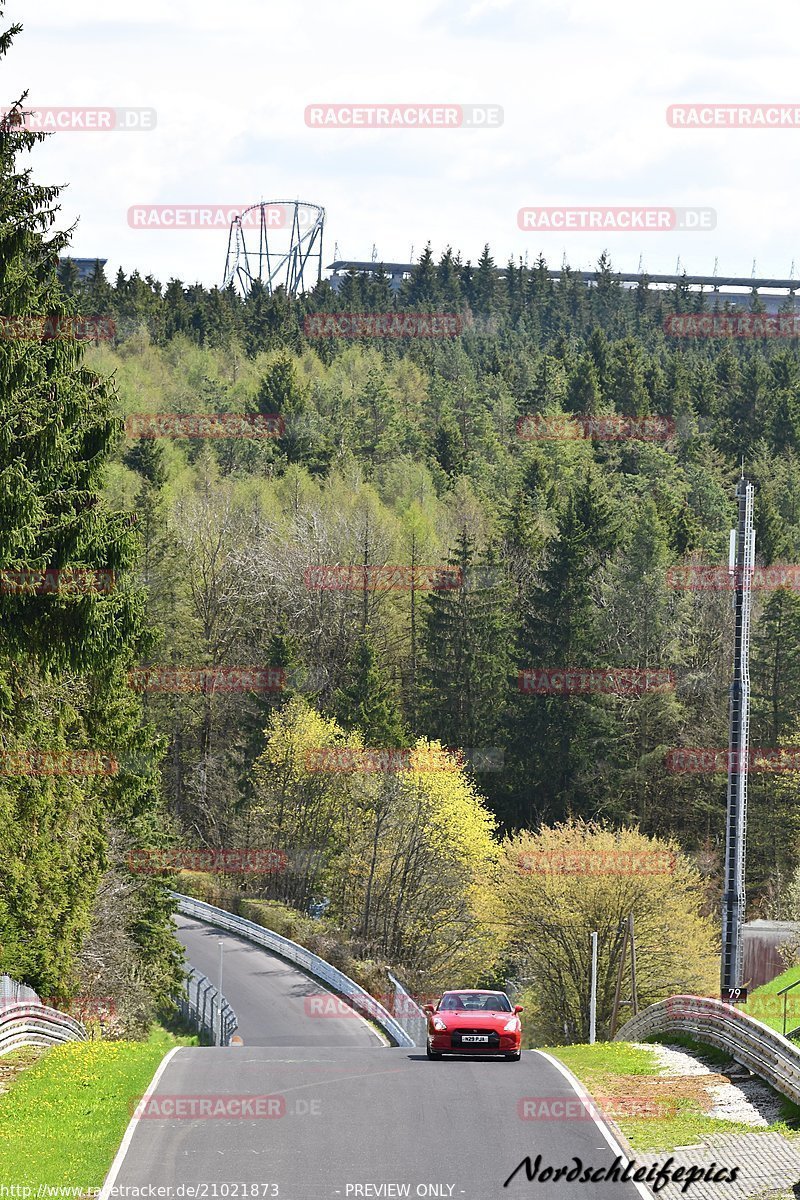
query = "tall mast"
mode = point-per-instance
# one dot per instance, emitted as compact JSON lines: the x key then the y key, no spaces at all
{"x":740,"y":566}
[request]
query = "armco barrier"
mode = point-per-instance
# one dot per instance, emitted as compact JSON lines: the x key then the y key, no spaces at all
{"x":747,"y":1040}
{"x":25,"y":1021}
{"x":199,"y":1004}
{"x":408,"y":1013}
{"x":355,"y":995}
{"x":11,"y":991}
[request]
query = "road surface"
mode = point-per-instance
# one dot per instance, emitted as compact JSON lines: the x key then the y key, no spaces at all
{"x":274,"y":1002}
{"x":314,"y":1108}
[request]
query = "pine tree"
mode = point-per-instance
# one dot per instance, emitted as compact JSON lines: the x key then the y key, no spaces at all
{"x":776,"y":669}
{"x":483,"y":297}
{"x":583,"y":389}
{"x":448,"y":444}
{"x":422,"y":289}
{"x":367,"y":701}
{"x":466,"y":651}
{"x":557,"y":741}
{"x":68,"y":276}
{"x":64,"y":651}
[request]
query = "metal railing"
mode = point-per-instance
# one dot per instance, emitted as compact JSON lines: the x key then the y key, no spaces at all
{"x":408,"y":1013}
{"x":11,"y":991}
{"x":25,"y":1021}
{"x":785,"y":992}
{"x":355,"y":995}
{"x":748,"y":1041}
{"x":199,"y":1004}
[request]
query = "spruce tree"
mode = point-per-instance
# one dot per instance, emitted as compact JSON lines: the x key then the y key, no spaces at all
{"x":366,"y":701}
{"x":557,"y":740}
{"x":466,"y":651}
{"x":65,"y":649}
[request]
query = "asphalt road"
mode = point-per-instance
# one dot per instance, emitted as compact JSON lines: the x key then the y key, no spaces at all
{"x":315,"y":1109}
{"x":344,"y":1118}
{"x":276,"y":1005}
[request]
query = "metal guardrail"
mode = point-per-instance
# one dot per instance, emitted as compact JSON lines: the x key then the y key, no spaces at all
{"x":11,"y":991}
{"x":408,"y":1013}
{"x":355,"y":995}
{"x":199,"y":1004}
{"x":25,"y":1021}
{"x":747,"y":1040}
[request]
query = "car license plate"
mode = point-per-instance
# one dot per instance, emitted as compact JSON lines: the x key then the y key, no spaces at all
{"x":474,"y":1037}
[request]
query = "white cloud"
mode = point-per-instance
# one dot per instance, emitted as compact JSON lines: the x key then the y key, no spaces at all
{"x":584,"y":88}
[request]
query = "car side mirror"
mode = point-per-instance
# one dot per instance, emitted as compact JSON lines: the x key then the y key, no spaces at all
{"x":427,"y":1008}
{"x":518,"y":1008}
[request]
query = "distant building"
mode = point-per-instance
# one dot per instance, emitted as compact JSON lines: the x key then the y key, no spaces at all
{"x":762,"y":941}
{"x":85,"y":265}
{"x":774,"y":294}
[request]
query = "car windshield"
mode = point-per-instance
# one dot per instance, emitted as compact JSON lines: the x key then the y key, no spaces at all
{"x":481,"y":1001}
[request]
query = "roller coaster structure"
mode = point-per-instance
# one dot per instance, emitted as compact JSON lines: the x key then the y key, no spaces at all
{"x":275,"y":243}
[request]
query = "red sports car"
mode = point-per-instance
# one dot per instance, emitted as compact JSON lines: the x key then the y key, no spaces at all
{"x":474,"y":1022}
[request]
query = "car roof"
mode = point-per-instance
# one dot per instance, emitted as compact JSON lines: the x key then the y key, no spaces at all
{"x":473,"y":992}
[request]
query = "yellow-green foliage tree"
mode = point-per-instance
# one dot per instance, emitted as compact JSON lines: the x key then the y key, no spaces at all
{"x":564,"y":882}
{"x":406,"y":855}
{"x":299,"y":810}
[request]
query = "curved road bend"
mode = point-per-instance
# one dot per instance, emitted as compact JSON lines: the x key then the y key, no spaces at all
{"x":270,"y":997}
{"x":347,"y":1117}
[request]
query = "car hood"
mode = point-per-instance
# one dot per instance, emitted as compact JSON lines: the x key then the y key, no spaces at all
{"x":461,"y":1018}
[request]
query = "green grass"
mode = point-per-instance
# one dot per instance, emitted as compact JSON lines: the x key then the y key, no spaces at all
{"x":606,"y":1058}
{"x":62,"y":1119}
{"x":767,"y":1007}
{"x":623,"y":1079}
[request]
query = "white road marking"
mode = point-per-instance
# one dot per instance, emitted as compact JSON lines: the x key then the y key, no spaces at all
{"x":111,"y":1177}
{"x":599,"y":1124}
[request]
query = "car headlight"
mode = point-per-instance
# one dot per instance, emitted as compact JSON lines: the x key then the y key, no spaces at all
{"x":439,"y":1025}
{"x":511,"y":1026}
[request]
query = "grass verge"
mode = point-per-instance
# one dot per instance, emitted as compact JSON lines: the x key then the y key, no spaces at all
{"x":767,"y":1006}
{"x":654,"y":1111}
{"x":63,"y":1117}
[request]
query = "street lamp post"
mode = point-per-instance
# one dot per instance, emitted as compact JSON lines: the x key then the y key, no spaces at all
{"x":593,"y":994}
{"x":221,"y":952}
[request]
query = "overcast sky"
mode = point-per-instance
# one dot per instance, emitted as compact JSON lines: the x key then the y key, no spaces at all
{"x":584,"y":88}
